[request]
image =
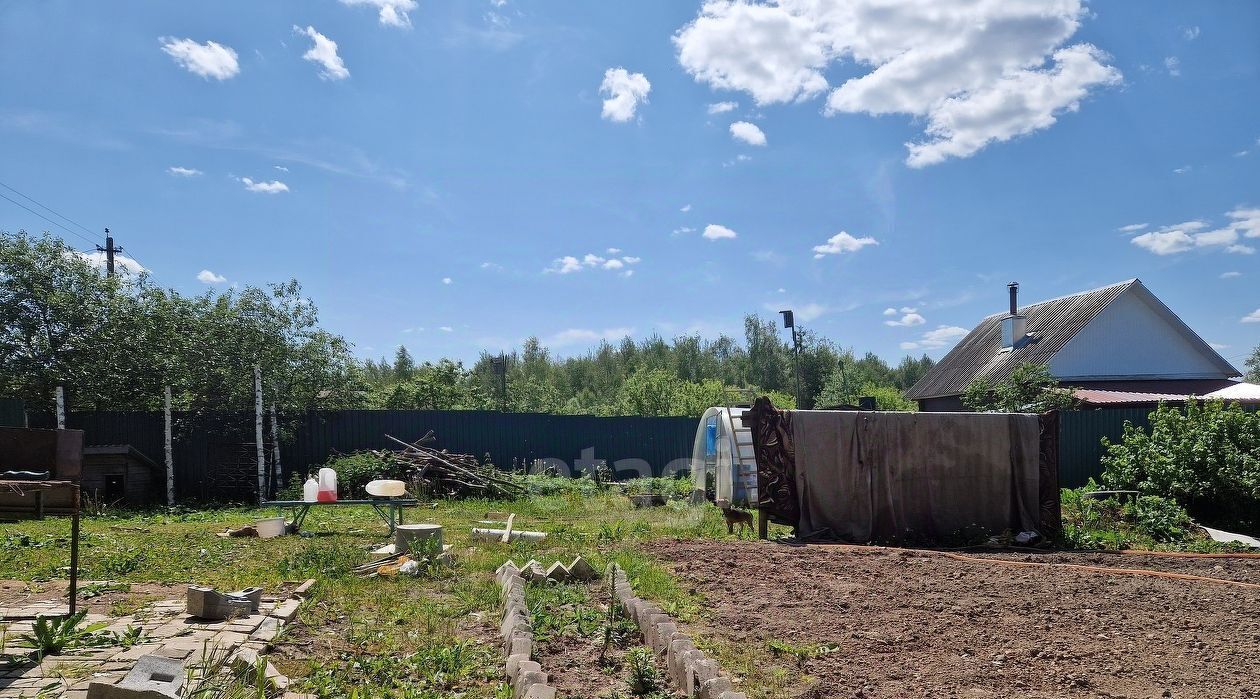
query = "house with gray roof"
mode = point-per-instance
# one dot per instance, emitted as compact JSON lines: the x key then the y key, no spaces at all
{"x":1117,"y":338}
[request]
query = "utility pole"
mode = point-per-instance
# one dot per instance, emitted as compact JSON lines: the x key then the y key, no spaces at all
{"x":109,"y":251}
{"x":789,"y":322}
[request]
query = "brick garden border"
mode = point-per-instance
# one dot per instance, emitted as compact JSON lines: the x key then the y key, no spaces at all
{"x":689,"y":670}
{"x":526,"y":676}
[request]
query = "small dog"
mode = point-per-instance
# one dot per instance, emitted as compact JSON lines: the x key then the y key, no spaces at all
{"x":734,"y":516}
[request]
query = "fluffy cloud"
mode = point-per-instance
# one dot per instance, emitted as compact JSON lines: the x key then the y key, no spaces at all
{"x":942,"y":336}
{"x":122,"y":263}
{"x":205,"y":276}
{"x":1253,"y":317}
{"x":1230,"y":275}
{"x":842,"y":242}
{"x":447,"y":329}
{"x":723,"y":107}
{"x":748,"y":132}
{"x":715,"y":232}
{"x":570,"y":264}
{"x":626,"y":91}
{"x":1170,"y":240}
{"x":975,"y":73}
{"x":209,"y":60}
{"x":392,"y":13}
{"x":272,"y":187}
{"x":448,"y":281}
{"x":909,"y":317}
{"x":178,"y":171}
{"x":1173,"y":64}
{"x":574,"y":336}
{"x":323,"y":52}
{"x":1133,"y":227}
{"x":685,"y":208}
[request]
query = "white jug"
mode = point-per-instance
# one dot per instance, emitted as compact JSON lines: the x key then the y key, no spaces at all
{"x":310,"y":490}
{"x":327,"y":485}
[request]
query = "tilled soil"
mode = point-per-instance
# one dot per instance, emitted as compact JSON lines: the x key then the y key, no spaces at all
{"x":910,"y":624}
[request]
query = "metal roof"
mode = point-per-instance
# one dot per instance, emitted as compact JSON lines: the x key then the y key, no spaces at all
{"x":1051,"y":324}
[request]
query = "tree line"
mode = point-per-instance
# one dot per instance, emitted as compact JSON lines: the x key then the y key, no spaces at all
{"x":115,"y":343}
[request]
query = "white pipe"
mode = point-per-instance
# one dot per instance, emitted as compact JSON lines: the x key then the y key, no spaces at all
{"x":497,"y":535}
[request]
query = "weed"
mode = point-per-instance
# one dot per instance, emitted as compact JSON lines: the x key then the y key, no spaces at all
{"x":96,"y":589}
{"x":53,"y":635}
{"x":802,"y":653}
{"x":644,"y":677}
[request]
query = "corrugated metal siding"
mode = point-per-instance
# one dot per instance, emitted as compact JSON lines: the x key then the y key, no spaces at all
{"x":12,"y":412}
{"x":206,"y":445}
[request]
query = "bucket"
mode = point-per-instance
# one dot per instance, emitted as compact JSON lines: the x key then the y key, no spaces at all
{"x":270,"y":527}
{"x":386,"y":489}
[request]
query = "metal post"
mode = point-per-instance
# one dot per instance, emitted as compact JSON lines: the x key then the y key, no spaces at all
{"x":796,"y":360}
{"x":61,"y":408}
{"x":74,"y":550}
{"x":170,"y":456}
{"x":258,"y":435}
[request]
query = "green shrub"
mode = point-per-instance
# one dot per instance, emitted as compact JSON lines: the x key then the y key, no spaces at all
{"x":679,"y":487}
{"x":355,"y":471}
{"x":1148,"y":522}
{"x":1206,"y":457}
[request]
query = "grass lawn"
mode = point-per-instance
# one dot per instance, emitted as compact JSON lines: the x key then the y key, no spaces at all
{"x":399,"y":637}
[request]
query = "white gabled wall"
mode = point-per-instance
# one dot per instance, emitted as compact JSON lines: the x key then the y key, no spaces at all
{"x":1130,"y":339}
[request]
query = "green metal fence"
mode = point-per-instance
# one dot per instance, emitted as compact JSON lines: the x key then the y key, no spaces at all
{"x":12,"y":412}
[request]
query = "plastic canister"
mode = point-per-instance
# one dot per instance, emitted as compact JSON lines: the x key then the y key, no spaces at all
{"x":310,"y":490}
{"x":327,"y":485}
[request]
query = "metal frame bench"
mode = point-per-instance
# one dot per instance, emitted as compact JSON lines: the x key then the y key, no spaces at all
{"x":389,"y":509}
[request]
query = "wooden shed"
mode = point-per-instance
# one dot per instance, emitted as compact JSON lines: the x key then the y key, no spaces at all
{"x":120,"y":473}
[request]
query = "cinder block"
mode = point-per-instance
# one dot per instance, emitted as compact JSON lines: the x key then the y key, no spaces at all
{"x":153,"y":677}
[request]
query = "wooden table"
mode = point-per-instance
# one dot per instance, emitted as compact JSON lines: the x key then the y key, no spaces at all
{"x":389,"y":509}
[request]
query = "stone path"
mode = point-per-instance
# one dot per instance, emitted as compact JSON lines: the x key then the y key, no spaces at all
{"x":168,"y":632}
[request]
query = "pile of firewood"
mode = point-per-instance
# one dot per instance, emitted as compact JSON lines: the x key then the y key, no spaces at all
{"x":440,"y":473}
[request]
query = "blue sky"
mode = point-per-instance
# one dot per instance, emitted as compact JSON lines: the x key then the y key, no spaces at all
{"x":456,"y":176}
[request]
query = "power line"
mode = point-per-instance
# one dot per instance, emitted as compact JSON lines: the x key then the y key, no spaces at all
{"x":40,"y":204}
{"x":71,"y":232}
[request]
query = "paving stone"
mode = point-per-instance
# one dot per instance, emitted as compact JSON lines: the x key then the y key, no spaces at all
{"x":304,"y":590}
{"x":267,"y":630}
{"x":287,"y":610}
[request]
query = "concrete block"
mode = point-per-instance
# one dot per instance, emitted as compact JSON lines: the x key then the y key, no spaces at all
{"x":525,"y":680}
{"x":557,"y":572}
{"x":286,"y":610}
{"x":675,"y":660}
{"x":714,"y":688}
{"x":153,"y":677}
{"x":662,"y":634}
{"x":209,"y":603}
{"x":732,"y":695}
{"x":581,"y":569}
{"x":540,"y":691}
{"x":304,"y":590}
{"x":702,"y":671}
{"x":521,"y":645}
{"x":514,"y":664}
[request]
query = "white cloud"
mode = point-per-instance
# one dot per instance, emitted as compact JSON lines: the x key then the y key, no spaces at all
{"x":1133,"y":227}
{"x":1191,"y":33}
{"x":1170,"y":240}
{"x":626,"y":91}
{"x":574,"y":336}
{"x":748,"y":132}
{"x":942,"y":336}
{"x":178,"y":171}
{"x":1173,"y":64}
{"x":723,"y":107}
{"x":1253,"y":317}
{"x":323,"y":52}
{"x":492,"y":266}
{"x":1230,"y":275}
{"x":1182,"y":170}
{"x":570,"y":264}
{"x":272,"y":187}
{"x":281,"y":168}
{"x":446,"y":329}
{"x":447,"y":280}
{"x":1218,"y":346}
{"x":209,"y":60}
{"x":683,"y":230}
{"x":907,"y":321}
{"x":890,"y":311}
{"x":975,"y":73}
{"x":804,"y":312}
{"x":685,"y":208}
{"x":205,"y":276}
{"x":842,"y":242}
{"x":122,"y":263}
{"x":714,"y":231}
{"x":741,"y":158}
{"x":392,"y":13}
